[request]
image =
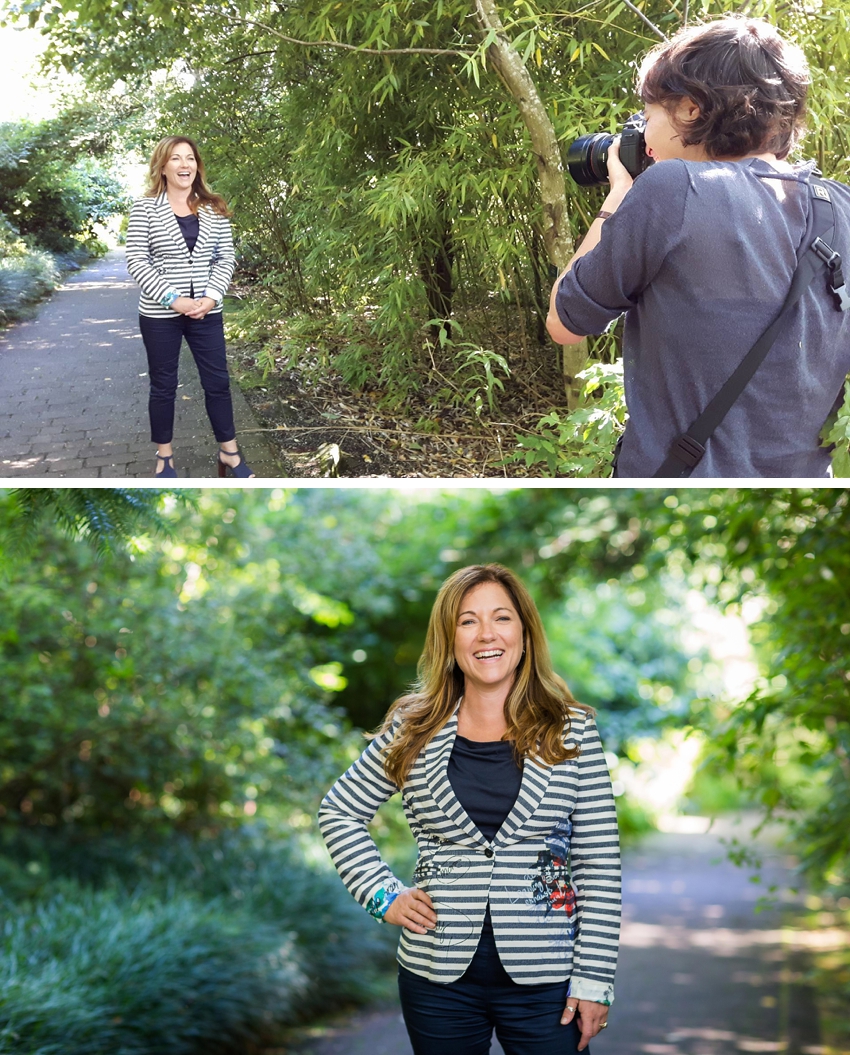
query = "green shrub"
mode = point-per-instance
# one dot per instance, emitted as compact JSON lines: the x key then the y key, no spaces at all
{"x":26,"y":275}
{"x":633,"y":820}
{"x":96,"y":972}
{"x":52,"y":186}
{"x":337,"y":944}
{"x":581,"y":443}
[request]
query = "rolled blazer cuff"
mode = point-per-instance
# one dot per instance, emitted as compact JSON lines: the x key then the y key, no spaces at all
{"x":383,"y":897}
{"x":588,"y":989}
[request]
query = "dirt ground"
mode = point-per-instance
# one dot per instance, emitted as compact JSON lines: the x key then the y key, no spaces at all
{"x":321,"y":428}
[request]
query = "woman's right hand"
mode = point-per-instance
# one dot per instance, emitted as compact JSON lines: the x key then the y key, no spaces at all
{"x":412,"y":909}
{"x":183,"y":305}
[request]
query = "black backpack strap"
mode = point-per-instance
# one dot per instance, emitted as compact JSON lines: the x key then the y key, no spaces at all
{"x":815,"y":252}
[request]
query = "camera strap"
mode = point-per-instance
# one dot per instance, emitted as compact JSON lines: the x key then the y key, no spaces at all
{"x":687,"y":451}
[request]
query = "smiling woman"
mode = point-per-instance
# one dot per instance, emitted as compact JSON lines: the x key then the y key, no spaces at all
{"x":512,"y":919}
{"x":180,"y":251}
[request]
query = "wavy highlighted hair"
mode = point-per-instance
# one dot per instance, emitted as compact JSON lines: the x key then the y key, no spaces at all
{"x":200,"y":195}
{"x":536,"y":708}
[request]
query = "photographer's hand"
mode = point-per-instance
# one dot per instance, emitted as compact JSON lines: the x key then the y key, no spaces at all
{"x":619,"y":177}
{"x":621,"y":182}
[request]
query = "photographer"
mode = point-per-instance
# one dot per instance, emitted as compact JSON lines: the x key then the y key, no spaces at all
{"x":699,"y":251}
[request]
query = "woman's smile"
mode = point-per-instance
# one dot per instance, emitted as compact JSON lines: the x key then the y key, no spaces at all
{"x":488,"y":637}
{"x":181,"y":168}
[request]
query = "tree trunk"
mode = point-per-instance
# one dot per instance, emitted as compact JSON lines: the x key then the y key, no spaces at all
{"x":508,"y":64}
{"x":436,"y":266}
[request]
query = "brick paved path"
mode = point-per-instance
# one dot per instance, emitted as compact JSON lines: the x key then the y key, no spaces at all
{"x":74,"y":390}
{"x":700,"y":972}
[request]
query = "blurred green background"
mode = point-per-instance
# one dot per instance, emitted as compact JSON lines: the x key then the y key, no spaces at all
{"x":183,"y":674}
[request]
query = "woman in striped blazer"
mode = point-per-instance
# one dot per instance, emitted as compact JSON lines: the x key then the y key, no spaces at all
{"x":180,"y":251}
{"x":512,"y":918}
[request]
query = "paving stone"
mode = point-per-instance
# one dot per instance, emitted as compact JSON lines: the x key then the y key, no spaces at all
{"x":98,"y":450}
{"x":46,"y":446}
{"x":75,"y":390}
{"x":63,"y":465}
{"x":56,"y":434}
{"x":115,"y":460}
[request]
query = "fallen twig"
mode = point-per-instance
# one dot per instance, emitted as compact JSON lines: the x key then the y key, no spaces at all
{"x":471,"y":437}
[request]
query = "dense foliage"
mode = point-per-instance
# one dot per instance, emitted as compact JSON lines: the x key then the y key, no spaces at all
{"x":193,"y":670}
{"x":391,"y":190}
{"x":56,"y":185}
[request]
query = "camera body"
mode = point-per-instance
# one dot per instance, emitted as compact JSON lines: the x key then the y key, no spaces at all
{"x":587,"y":157}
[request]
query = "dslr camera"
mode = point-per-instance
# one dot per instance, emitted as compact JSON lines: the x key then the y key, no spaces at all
{"x":587,"y":158}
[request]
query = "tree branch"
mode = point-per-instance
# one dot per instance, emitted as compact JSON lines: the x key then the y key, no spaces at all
{"x":353,"y":47}
{"x":642,"y":16}
{"x":250,"y":55}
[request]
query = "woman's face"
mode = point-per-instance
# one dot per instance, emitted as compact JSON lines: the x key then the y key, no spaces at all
{"x":662,"y":140}
{"x":181,"y":167}
{"x":488,"y":636}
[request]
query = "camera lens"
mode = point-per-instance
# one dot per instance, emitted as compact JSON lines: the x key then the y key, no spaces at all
{"x":587,"y":159}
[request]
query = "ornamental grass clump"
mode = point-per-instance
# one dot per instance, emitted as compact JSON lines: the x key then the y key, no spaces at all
{"x":101,"y":973}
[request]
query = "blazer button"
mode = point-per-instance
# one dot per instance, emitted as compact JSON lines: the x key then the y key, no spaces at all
{"x":488,"y":852}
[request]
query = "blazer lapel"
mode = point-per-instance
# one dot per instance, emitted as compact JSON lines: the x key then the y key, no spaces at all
{"x":535,"y":781}
{"x":206,"y":226}
{"x":437,"y":773}
{"x":170,"y":224}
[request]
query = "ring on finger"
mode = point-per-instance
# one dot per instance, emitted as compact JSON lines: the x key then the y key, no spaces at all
{"x":570,"y":1009}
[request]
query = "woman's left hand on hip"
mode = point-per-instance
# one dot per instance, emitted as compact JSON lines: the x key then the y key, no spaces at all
{"x":592,"y":1018}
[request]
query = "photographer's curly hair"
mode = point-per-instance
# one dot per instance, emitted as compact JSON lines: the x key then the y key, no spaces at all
{"x":537,"y":709}
{"x":749,"y":84}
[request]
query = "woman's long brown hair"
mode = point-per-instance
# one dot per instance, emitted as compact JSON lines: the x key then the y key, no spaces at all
{"x":200,"y":194}
{"x":536,"y":708}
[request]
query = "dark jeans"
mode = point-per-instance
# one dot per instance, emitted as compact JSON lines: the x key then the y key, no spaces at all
{"x":458,"y":1018}
{"x":205,"y":338}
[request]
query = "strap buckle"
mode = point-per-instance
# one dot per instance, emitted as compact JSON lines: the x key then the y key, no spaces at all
{"x":688,"y":450}
{"x":832,"y":260}
{"x":826,"y":253}
{"x":842,"y":298}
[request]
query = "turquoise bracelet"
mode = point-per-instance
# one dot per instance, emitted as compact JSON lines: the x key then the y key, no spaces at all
{"x":169,"y":298}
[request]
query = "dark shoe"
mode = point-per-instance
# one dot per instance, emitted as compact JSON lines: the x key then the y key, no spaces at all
{"x":239,"y":469}
{"x":167,"y":468}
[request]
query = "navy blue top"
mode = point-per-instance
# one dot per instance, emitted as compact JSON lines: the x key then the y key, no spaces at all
{"x":486,"y":780}
{"x":190,"y":226}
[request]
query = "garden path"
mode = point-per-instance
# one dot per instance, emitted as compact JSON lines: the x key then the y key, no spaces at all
{"x":74,"y":385}
{"x":701,"y":973}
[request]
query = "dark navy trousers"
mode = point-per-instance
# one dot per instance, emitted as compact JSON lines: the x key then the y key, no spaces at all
{"x":205,"y":338}
{"x":458,"y":1018}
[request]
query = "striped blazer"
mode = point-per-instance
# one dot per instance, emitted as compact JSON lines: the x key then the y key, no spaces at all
{"x":551,"y":874}
{"x":158,"y":259}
